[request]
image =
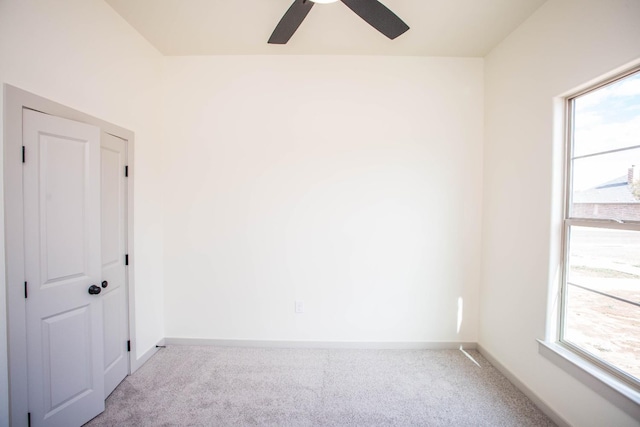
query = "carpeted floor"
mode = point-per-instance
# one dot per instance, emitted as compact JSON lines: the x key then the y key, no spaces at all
{"x":218,"y":386}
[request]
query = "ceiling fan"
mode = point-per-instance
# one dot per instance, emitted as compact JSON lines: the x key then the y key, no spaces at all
{"x":372,"y":11}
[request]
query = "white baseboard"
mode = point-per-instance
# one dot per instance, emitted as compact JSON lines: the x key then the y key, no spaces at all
{"x":137,"y":363}
{"x":323,"y":344}
{"x":555,"y":417}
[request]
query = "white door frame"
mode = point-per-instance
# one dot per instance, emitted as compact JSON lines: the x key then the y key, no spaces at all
{"x":14,"y":101}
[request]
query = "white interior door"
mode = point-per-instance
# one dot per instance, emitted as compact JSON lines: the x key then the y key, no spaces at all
{"x":113,"y":160}
{"x":62,"y":261}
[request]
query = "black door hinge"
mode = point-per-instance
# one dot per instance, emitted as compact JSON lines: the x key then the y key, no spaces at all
{"x":23,"y":154}
{"x":126,"y":171}
{"x":26,"y":294}
{"x":29,"y":419}
{"x":126,"y":259}
{"x":128,"y":345}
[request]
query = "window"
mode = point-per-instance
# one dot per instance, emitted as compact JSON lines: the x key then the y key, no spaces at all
{"x":600,"y":318}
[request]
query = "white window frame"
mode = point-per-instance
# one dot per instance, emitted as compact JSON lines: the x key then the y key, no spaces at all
{"x":577,"y":355}
{"x":598,"y":379}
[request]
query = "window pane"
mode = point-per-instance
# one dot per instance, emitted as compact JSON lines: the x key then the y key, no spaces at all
{"x":607,"y":186}
{"x":605,"y":260}
{"x":606,"y":328}
{"x":608,"y":118}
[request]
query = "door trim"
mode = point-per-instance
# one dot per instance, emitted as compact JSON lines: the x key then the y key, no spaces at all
{"x":15,"y":100}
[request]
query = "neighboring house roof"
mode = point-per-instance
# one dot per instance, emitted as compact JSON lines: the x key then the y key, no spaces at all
{"x":614,"y":191}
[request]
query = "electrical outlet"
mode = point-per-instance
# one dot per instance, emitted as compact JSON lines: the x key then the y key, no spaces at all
{"x":299,"y":307}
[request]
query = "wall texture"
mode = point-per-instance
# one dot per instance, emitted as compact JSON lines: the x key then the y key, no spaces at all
{"x":350,"y":183}
{"x":564,"y":45}
{"x":82,"y":54}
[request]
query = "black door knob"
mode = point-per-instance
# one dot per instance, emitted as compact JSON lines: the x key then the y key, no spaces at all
{"x":94,"y":290}
{"x":105,"y":283}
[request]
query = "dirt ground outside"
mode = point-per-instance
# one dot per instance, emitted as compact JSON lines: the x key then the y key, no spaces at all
{"x":607,"y":261}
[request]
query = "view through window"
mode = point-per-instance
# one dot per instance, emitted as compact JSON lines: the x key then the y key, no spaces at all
{"x":601,"y":292}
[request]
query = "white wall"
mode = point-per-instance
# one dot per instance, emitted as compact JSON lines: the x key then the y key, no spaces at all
{"x":351,"y":183}
{"x":566,"y":43}
{"x":82,"y":54}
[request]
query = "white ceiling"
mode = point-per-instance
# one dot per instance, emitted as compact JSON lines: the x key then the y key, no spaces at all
{"x":242,"y":27}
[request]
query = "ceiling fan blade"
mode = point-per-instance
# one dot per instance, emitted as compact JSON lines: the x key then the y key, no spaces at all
{"x":291,"y":21}
{"x":378,"y":16}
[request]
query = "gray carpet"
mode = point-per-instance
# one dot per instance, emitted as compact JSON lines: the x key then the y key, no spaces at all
{"x":217,"y":386}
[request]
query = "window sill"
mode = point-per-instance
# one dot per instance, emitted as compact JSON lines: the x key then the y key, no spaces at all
{"x":611,"y":388}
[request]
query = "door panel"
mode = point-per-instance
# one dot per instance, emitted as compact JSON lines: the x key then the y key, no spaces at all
{"x":66,"y":339}
{"x":114,"y":232}
{"x":62,"y":259}
{"x":113,"y":344}
{"x":63,"y":202}
{"x":112,"y":169}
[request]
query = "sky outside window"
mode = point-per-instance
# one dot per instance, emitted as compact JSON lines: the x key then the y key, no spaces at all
{"x":607,"y":119}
